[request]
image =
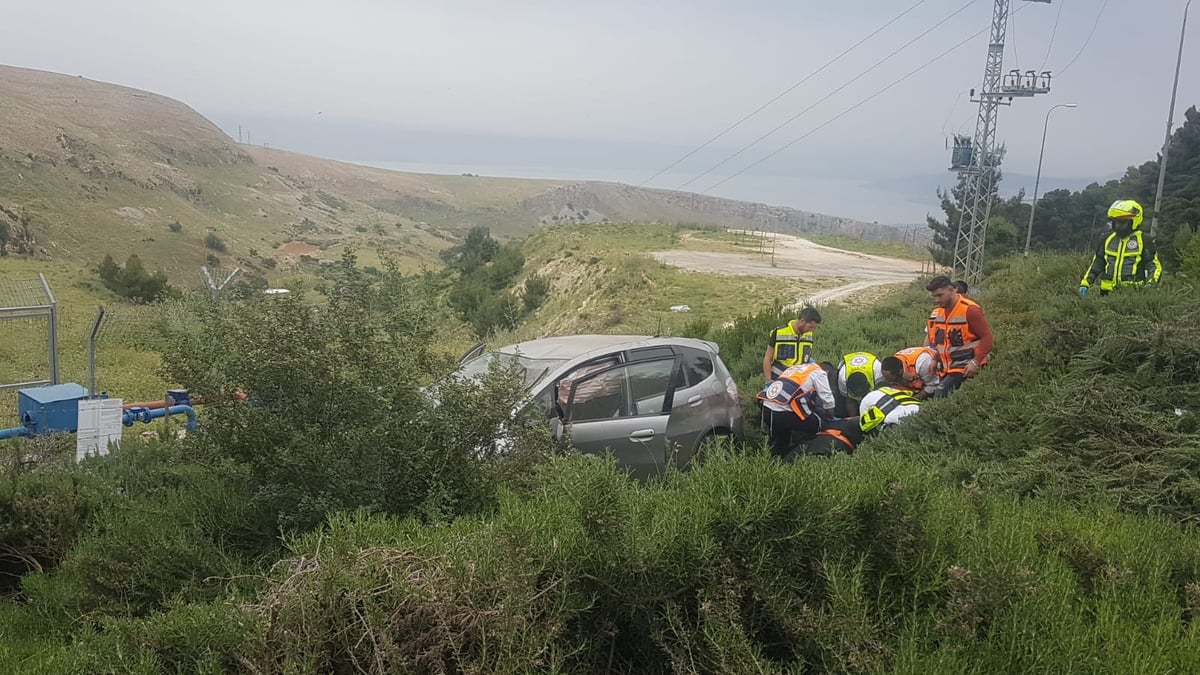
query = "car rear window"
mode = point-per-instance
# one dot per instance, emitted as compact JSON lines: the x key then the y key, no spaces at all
{"x":697,"y":366}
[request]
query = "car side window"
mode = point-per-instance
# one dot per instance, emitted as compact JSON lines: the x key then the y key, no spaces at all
{"x":697,"y":366}
{"x":565,"y":382}
{"x":628,"y":391}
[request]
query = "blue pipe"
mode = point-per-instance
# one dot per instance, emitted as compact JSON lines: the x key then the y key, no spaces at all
{"x":14,"y":432}
{"x":146,"y":415}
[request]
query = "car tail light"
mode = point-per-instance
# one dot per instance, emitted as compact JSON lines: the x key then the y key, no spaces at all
{"x":731,"y":388}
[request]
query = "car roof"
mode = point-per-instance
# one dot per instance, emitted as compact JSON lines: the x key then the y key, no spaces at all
{"x":573,"y":346}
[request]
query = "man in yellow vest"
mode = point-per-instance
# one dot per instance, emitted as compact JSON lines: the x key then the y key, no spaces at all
{"x":791,"y":345}
{"x":857,"y":375}
{"x":1127,"y":257}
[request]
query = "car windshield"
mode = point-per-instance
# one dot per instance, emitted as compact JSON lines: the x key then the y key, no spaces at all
{"x":531,"y":370}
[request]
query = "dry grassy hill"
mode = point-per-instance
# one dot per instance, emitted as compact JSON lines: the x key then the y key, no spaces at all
{"x":89,"y":168}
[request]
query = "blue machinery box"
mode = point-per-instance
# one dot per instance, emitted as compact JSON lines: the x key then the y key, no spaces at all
{"x":54,"y":408}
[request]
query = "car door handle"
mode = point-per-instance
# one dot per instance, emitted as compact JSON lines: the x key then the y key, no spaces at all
{"x":695,"y":400}
{"x":643,"y":435}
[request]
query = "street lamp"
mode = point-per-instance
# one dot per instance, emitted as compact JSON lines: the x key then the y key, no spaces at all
{"x":1162,"y":168}
{"x":1037,"y":181}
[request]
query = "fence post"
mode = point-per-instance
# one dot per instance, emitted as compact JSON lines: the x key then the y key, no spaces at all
{"x":52,"y":329}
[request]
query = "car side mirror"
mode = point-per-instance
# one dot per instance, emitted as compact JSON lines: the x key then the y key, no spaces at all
{"x":557,"y":428}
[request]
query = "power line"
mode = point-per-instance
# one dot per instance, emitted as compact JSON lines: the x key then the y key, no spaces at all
{"x":785,"y":92}
{"x":1053,"y":34}
{"x":851,"y":109}
{"x":828,"y":96}
{"x":1085,"y":42}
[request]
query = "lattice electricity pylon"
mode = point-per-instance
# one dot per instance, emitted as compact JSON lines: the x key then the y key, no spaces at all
{"x":985,"y":157}
{"x":217,"y":278}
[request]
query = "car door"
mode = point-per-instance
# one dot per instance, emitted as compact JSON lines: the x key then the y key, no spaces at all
{"x":624,"y":408}
{"x":697,"y":398}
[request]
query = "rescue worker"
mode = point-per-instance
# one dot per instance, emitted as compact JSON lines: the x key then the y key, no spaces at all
{"x":796,"y":402}
{"x":791,"y":344}
{"x":920,"y":373}
{"x":1127,"y":257}
{"x":857,"y":374}
{"x":895,"y":403}
{"x":959,"y":332}
{"x":961,"y":287}
{"x":843,"y":435}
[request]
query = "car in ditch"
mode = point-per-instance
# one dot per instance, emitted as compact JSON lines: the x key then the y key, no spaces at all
{"x":652,"y":401}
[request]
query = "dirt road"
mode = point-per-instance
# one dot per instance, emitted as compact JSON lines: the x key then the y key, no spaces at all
{"x":848,"y":273}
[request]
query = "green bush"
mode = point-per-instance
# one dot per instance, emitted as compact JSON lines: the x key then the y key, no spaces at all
{"x":133,"y":282}
{"x":170,"y":527}
{"x":855,"y":564}
{"x":212,"y":241}
{"x":337,"y":417}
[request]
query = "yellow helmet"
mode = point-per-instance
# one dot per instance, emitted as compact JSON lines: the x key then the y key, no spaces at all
{"x":1126,"y":208}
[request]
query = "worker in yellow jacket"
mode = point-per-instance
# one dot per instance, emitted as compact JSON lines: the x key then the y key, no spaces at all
{"x":1127,"y":257}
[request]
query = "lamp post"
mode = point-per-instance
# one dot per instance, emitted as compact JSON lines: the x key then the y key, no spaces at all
{"x":1162,"y":168}
{"x":1037,"y":181}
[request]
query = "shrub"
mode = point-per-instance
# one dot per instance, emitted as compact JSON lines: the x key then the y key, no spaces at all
{"x":169,"y":528}
{"x":536,"y":290}
{"x":175,"y":226}
{"x":212,"y":241}
{"x":339,"y":419}
{"x":855,"y":564}
{"x":133,"y":282}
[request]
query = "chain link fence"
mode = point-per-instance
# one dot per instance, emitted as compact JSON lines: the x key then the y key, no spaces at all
{"x":28,"y":340}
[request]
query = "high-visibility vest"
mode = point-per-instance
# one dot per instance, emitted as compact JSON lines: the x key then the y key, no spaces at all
{"x":1124,"y":264}
{"x":791,"y":348}
{"x":910,"y":358}
{"x":862,"y":363}
{"x":892,"y":398}
{"x":950,"y":334}
{"x":793,"y":389}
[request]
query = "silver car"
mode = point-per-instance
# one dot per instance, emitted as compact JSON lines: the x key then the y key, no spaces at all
{"x":652,"y":400}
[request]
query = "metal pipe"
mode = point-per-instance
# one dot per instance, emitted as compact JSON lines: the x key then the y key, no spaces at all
{"x":1162,"y":167}
{"x":1037,"y":181}
{"x":14,"y":432}
{"x":146,"y":415}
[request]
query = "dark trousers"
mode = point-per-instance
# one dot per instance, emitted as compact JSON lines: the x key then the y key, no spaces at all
{"x":950,"y":384}
{"x":781,"y":425}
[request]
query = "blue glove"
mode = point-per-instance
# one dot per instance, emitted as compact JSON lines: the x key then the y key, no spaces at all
{"x":1083,"y":291}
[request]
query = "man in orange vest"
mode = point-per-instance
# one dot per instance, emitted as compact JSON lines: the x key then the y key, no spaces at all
{"x":921,"y":371}
{"x":797,"y":401}
{"x":959,"y":332}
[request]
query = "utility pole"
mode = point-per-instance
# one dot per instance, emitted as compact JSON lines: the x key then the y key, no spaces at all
{"x":979,"y":161}
{"x":1162,"y":163}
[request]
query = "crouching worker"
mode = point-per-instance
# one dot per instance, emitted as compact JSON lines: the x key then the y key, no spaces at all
{"x":857,"y":375}
{"x":799,"y":401}
{"x":882,"y":408}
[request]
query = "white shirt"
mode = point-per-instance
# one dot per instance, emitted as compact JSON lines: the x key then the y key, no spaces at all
{"x":900,"y":412}
{"x":928,"y":368}
{"x":842,"y":376}
{"x":817,"y":380}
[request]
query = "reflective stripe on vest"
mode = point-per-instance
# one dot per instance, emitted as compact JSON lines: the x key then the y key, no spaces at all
{"x":1122,"y":260}
{"x":894,"y":398}
{"x":860,"y":362}
{"x":950,"y":334}
{"x":789,"y":390}
{"x":909,"y":358}
{"x":791,"y":348}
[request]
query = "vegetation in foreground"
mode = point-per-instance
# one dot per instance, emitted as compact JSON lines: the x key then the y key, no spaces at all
{"x":1042,"y":519}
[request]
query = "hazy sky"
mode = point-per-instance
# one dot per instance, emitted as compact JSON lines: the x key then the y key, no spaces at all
{"x":621,"y":89}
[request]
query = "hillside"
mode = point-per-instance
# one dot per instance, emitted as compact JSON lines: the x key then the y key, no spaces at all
{"x":88,"y":168}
